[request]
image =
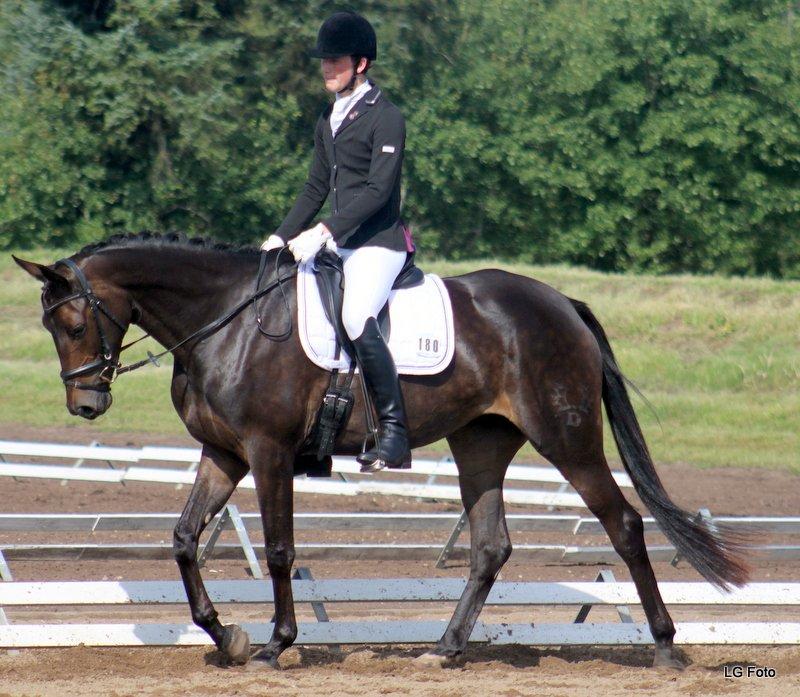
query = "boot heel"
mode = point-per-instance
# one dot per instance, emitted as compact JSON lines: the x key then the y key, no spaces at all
{"x":404,"y":465}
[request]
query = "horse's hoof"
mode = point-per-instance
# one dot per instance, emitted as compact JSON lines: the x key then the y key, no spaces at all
{"x":666,"y":658}
{"x":235,"y":645}
{"x":263,"y":660}
{"x":431,"y":660}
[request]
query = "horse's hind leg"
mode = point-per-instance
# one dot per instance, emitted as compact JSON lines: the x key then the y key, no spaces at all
{"x":273,"y":466}
{"x":482,"y":450}
{"x":217,"y":477}
{"x":573,"y":443}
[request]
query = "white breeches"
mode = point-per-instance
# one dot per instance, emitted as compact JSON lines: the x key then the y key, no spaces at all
{"x":369,"y":273}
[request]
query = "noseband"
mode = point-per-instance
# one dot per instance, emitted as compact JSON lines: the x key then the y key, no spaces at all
{"x":104,"y":364}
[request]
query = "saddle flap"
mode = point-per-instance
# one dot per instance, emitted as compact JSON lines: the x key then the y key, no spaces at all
{"x":329,"y":272}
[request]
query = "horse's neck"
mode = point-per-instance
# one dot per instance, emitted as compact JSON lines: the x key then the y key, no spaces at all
{"x":177,"y":290}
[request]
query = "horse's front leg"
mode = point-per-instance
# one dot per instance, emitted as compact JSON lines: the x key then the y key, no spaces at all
{"x":272,"y":469}
{"x":217,"y":476}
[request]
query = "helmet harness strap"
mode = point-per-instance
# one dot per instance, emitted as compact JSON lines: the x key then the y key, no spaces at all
{"x":351,"y":85}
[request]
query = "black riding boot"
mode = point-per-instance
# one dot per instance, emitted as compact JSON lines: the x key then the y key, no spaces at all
{"x":380,"y":376}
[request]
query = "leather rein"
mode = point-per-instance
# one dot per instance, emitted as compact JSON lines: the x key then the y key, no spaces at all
{"x":104,"y":365}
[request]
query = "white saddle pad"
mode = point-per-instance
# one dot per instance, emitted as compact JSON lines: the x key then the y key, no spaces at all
{"x":421,"y":336}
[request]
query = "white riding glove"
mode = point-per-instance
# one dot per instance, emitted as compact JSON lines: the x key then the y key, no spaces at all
{"x":309,"y":242}
{"x":272,"y":242}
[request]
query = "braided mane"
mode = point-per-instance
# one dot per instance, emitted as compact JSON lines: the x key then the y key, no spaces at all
{"x":160,"y":240}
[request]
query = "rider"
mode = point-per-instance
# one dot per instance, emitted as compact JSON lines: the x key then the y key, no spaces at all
{"x":358,"y":155}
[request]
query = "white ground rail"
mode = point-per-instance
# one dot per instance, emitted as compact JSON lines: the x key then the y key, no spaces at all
{"x":242,"y":523}
{"x":585,"y":595}
{"x":440,"y":492}
{"x":190,"y":456}
{"x":341,"y":466}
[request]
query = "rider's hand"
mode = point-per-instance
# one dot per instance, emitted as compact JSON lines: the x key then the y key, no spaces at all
{"x":272,"y":242}
{"x":306,"y":245}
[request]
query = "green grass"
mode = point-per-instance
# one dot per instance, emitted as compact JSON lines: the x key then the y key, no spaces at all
{"x":719,"y":359}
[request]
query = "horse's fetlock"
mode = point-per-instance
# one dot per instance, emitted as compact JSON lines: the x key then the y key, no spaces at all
{"x":663,"y":630}
{"x":287,"y":635}
{"x":205,"y":618}
{"x":284,"y":635}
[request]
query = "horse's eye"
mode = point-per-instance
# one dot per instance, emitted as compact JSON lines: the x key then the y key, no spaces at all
{"x":77,"y":332}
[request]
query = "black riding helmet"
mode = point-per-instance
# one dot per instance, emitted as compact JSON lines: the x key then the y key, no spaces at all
{"x":345,"y":34}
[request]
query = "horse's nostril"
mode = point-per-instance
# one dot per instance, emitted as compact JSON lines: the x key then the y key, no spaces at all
{"x":87,"y":412}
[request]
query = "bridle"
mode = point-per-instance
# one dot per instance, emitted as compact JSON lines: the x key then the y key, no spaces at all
{"x":104,"y":365}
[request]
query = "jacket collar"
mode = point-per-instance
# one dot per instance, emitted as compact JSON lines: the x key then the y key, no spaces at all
{"x":359,"y":109}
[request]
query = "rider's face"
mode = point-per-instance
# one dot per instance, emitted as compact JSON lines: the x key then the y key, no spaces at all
{"x":337,"y":72}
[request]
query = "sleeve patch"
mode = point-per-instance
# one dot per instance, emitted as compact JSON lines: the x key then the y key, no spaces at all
{"x":387,"y":148}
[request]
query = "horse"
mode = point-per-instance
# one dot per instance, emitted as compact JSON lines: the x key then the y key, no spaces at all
{"x":530,"y":364}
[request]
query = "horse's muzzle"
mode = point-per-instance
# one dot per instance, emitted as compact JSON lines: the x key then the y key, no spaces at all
{"x":89,"y":405}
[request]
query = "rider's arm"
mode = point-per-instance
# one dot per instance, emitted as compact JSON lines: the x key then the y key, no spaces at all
{"x":388,"y":143}
{"x":314,"y":192}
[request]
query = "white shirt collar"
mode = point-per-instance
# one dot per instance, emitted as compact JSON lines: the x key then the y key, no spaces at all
{"x":356,"y":94}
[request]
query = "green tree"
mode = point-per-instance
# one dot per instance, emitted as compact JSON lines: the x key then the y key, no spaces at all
{"x":619,"y":134}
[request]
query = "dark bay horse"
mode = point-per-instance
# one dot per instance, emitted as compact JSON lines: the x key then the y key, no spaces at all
{"x":530,"y":364}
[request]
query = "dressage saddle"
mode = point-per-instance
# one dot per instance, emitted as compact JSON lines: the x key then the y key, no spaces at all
{"x":315,"y":457}
{"x":329,"y":273}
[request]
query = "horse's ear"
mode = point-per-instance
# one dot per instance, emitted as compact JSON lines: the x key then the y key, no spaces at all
{"x":43,"y":273}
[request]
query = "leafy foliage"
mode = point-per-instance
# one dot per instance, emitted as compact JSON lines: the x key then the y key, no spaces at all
{"x":661,"y":135}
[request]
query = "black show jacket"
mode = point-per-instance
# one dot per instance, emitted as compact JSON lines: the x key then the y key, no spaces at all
{"x":360,"y":168}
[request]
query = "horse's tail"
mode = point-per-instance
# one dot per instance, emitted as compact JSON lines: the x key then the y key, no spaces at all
{"x":715,"y":550}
